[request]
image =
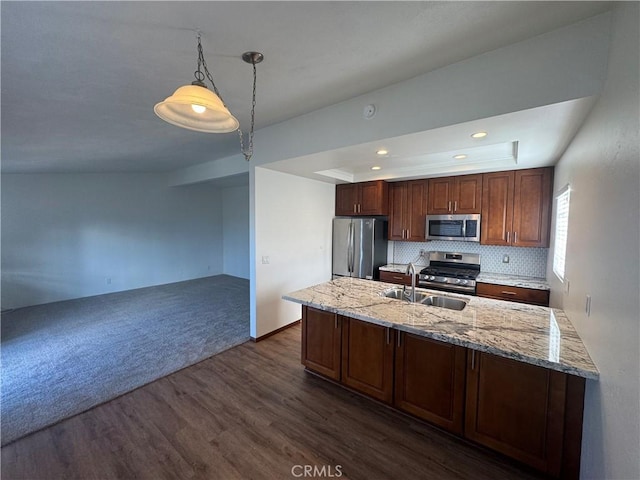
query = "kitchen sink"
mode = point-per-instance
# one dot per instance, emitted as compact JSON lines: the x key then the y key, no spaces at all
{"x":425,"y":298}
{"x":444,"y":302}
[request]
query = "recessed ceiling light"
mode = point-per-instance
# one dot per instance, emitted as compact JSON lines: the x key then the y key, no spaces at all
{"x":376,"y":168}
{"x":382,"y":151}
{"x":479,"y":135}
{"x":462,"y":156}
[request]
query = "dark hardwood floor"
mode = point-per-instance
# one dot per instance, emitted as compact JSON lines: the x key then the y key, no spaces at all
{"x":248,"y":413}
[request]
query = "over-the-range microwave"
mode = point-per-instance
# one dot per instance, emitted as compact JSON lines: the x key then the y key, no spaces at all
{"x":464,"y":228}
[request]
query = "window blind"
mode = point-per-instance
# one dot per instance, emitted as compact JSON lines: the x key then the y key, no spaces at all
{"x":561,"y":232}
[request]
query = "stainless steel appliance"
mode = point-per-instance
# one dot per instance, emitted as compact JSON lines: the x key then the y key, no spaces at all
{"x":451,"y":272}
{"x":464,"y":228}
{"x":359,"y":247}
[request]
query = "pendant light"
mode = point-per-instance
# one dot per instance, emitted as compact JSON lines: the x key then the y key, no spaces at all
{"x":195,"y":107}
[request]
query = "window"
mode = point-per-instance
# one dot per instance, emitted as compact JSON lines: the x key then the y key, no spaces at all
{"x":562,"y":227}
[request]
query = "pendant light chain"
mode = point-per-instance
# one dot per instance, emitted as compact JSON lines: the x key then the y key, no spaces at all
{"x":249,"y":57}
{"x":202,"y":61}
{"x":248,"y":153}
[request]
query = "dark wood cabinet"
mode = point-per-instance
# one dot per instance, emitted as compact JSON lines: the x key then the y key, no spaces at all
{"x":367,"y":358}
{"x":519,"y":409}
{"x":516,"y":208}
{"x":514,"y":294}
{"x":321,"y":342}
{"x":527,"y":412}
{"x":455,"y":195}
{"x":430,"y":380}
{"x":394,"y":277}
{"x":366,"y":198}
{"x":407,"y":210}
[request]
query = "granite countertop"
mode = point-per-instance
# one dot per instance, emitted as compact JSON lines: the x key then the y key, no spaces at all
{"x":484,"y":277}
{"x":527,"y":333}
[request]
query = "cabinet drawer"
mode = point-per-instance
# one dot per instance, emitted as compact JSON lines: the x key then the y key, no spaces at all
{"x":394,"y":277}
{"x":514,"y":294}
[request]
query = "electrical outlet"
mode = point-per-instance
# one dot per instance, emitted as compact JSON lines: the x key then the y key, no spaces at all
{"x":108,"y":280}
{"x":566,"y":286}
{"x":423,"y":252}
{"x":587,"y":306}
{"x":265,"y":260}
{"x":505,"y":259}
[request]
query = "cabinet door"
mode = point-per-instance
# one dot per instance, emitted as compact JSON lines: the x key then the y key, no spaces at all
{"x":531,"y":296}
{"x":440,"y":196}
{"x":393,"y":277}
{"x":346,"y":199}
{"x":517,"y":409}
{"x":468,"y":194}
{"x":397,"y":210}
{"x":430,"y":380}
{"x":416,"y":210}
{"x":367,"y":358}
{"x":373,"y":198}
{"x":321,"y":342}
{"x":497,"y":208}
{"x":532,"y":207}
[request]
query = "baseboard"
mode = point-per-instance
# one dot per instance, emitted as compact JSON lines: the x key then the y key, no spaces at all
{"x":267,"y":335}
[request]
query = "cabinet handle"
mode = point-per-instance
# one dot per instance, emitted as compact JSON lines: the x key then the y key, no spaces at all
{"x":398,"y":278}
{"x":473,"y":359}
{"x":508,"y":236}
{"x":509,"y":293}
{"x":455,"y":206}
{"x":515,"y":237}
{"x":355,"y":208}
{"x":399,"y":337}
{"x":359,"y":208}
{"x":388,"y":335}
{"x":449,"y":206}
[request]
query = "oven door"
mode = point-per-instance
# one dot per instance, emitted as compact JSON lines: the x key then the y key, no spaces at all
{"x":450,"y":285}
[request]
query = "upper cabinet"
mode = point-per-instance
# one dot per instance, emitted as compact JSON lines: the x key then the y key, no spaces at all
{"x":366,"y":198}
{"x":516,"y":207}
{"x":407,"y":210}
{"x":455,"y":195}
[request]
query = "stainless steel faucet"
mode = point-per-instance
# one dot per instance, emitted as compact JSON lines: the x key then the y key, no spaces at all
{"x":411,"y":269}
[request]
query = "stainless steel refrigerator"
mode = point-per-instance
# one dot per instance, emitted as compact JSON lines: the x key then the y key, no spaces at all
{"x":359,"y":247}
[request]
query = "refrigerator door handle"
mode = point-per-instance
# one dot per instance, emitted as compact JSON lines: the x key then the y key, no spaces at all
{"x":350,"y":249}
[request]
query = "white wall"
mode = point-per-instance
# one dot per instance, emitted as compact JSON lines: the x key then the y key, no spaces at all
{"x":235,"y":231}
{"x":602,"y":165}
{"x":292,"y":227}
{"x":65,"y":235}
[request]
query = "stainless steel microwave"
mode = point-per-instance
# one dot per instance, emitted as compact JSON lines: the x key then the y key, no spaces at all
{"x":465,"y":228}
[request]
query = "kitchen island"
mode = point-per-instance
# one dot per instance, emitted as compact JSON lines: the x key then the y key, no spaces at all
{"x":506,"y":375}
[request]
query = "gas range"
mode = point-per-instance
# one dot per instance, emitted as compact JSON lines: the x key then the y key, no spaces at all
{"x":453,"y":272}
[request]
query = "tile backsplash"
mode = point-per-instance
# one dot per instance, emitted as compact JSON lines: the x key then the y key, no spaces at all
{"x":529,"y":262}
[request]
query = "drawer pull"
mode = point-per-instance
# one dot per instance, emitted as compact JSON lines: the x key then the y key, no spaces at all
{"x":398,"y":278}
{"x":509,"y":293}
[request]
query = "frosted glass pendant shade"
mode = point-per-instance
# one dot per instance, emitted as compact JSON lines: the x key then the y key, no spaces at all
{"x":183,"y":107}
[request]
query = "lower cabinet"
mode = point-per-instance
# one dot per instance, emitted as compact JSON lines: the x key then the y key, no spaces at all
{"x":521,"y":410}
{"x":321,"y":342}
{"x":529,"y":413}
{"x":367,"y":358}
{"x":430,"y":380}
{"x":394,"y":277}
{"x":531,"y":296}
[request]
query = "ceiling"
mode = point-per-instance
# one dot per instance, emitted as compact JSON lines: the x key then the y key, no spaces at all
{"x":80,"y":79}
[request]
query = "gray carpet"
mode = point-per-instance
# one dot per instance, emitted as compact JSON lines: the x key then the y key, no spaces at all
{"x":63,"y":358}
